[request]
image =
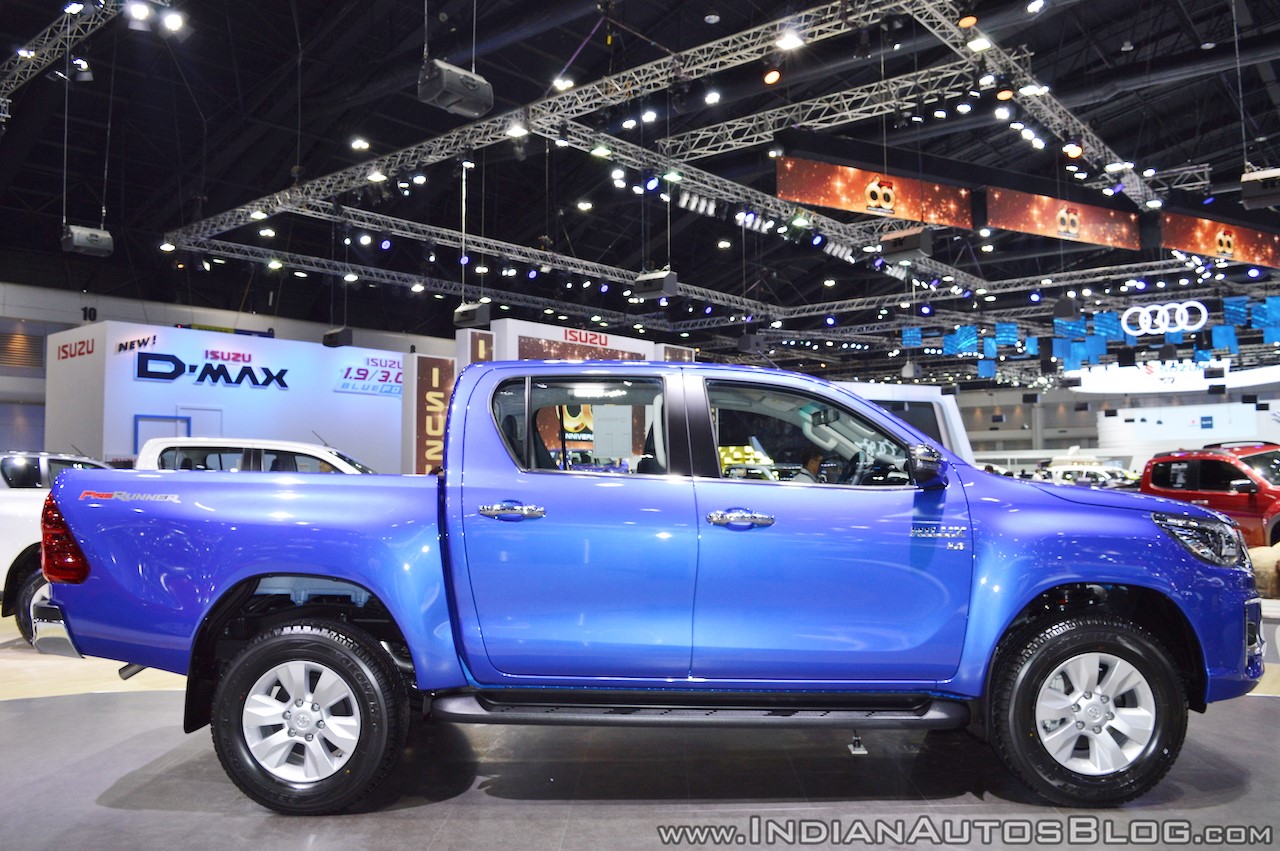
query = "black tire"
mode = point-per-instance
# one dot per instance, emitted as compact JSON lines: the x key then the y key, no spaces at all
{"x":22,"y":603}
{"x":308,"y":768}
{"x":1089,"y":750}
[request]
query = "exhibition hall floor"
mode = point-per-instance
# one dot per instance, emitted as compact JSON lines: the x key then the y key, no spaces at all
{"x":93,"y":762}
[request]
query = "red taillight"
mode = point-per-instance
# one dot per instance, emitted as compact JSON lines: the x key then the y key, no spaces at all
{"x":61,"y":559}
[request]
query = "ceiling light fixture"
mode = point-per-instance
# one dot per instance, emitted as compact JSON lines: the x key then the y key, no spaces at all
{"x":789,"y":39}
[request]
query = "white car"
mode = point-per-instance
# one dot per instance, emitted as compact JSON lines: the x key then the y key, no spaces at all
{"x":243,"y":454}
{"x":25,"y":478}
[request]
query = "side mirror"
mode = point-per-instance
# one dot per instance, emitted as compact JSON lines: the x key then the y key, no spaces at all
{"x":927,"y":467}
{"x":1244,"y":486}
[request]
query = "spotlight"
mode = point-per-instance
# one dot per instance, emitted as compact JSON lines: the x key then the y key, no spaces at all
{"x":650,"y":180}
{"x":173,"y":21}
{"x":968,"y":18}
{"x":772,"y":71}
{"x":1004,"y":88}
{"x":712,"y":97}
{"x":629,"y":124}
{"x":1073,"y":149}
{"x":1003,"y":113}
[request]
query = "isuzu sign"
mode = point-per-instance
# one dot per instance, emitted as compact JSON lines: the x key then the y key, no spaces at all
{"x":1188,"y":316}
{"x":152,"y":366}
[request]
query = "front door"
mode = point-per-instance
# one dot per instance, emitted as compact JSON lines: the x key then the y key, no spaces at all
{"x":860,"y":576}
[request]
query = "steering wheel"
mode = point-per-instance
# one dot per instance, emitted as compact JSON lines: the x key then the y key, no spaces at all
{"x":850,"y":469}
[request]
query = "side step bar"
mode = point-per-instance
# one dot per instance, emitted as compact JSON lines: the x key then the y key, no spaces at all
{"x":476,"y":709}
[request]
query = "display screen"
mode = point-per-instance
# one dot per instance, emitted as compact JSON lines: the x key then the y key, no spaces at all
{"x":1216,"y":239}
{"x":1044,"y":215}
{"x":875,"y":193}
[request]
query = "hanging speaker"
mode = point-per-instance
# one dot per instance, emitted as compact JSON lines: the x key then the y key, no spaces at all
{"x":453,"y":89}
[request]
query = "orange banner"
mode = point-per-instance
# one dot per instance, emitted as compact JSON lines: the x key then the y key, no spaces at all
{"x":435,"y":386}
{"x":1216,"y":239}
{"x":1044,"y":215}
{"x":874,"y":193}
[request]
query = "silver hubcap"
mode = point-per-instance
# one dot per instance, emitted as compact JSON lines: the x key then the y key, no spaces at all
{"x":1095,"y":714}
{"x":301,"y":722}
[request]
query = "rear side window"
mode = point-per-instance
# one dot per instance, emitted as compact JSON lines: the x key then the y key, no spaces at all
{"x":21,"y":472}
{"x":202,"y":458}
{"x":1175,"y":475}
{"x":593,"y":425}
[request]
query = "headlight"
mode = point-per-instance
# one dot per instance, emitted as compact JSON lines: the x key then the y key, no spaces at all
{"x":1210,"y":540}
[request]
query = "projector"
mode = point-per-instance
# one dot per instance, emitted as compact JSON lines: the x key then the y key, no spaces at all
{"x":1260,"y":189}
{"x":912,"y":246}
{"x":654,"y":284}
{"x":91,"y":241}
{"x":453,"y":89}
{"x":337,"y":337}
{"x":471,"y":316}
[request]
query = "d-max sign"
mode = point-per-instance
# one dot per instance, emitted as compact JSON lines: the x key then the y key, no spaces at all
{"x":152,"y":366}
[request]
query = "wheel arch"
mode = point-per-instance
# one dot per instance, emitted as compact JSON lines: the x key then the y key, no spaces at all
{"x":252,"y":606}
{"x":22,"y":566}
{"x":1145,"y":607}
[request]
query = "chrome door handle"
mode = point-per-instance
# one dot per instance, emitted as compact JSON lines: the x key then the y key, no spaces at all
{"x":1199,"y":502}
{"x":739,"y":517}
{"x":510,"y":510}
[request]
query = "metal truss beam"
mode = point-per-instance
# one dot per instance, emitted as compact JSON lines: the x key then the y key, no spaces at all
{"x":53,"y":43}
{"x":498,"y":249}
{"x":940,"y":16}
{"x":816,"y":24}
{"x":372,"y":274}
{"x":860,"y":104}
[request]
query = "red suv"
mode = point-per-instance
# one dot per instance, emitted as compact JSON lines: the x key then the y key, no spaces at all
{"x":1240,"y":480}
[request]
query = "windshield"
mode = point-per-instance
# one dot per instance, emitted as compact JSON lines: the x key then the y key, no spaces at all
{"x":1266,"y":464}
{"x":363,"y":468}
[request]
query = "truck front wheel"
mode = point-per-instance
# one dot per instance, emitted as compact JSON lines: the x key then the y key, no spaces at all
{"x":1088,"y":711}
{"x":310,"y":717}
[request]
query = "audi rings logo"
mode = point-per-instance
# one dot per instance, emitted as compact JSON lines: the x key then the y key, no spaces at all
{"x":1188,"y":316}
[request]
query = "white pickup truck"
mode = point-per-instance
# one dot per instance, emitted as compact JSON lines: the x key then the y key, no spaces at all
{"x":25,"y":478}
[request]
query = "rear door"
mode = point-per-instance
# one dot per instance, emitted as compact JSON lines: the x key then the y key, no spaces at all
{"x":579,"y":532}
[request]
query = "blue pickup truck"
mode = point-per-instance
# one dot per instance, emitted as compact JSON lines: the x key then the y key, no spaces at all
{"x":896,"y":586}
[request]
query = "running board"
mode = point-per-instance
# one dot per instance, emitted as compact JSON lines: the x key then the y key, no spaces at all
{"x":474,"y":709}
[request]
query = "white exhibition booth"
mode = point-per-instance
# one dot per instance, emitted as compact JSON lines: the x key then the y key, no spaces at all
{"x":113,"y":385}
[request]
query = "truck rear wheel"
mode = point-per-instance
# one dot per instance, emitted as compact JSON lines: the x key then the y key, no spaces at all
{"x":1088,"y":711}
{"x":33,"y":582}
{"x":310,"y":717}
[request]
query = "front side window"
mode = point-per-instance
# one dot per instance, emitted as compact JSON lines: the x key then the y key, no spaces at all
{"x":57,"y":465}
{"x":1218,"y":475}
{"x":778,"y":435}
{"x":594,"y":425}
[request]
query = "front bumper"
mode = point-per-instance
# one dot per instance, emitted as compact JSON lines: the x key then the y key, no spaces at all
{"x":49,"y":630}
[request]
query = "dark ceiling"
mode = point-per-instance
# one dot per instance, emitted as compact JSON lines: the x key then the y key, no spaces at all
{"x":256,"y":97}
